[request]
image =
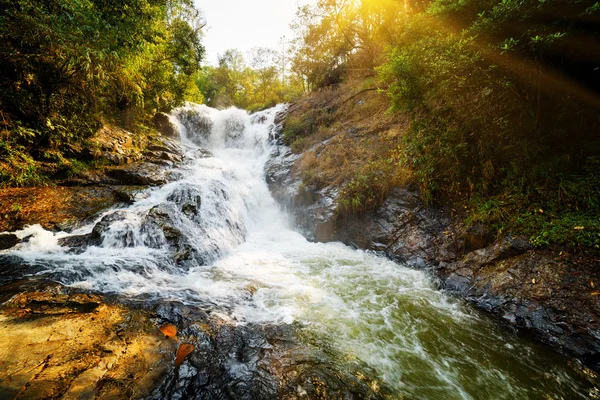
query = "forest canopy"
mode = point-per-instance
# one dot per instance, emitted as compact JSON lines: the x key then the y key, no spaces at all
{"x":68,"y":65}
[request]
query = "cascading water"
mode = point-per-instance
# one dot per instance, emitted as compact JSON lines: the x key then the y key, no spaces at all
{"x":216,"y":238}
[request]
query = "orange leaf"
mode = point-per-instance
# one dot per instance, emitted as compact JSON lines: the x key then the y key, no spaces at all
{"x":182,"y":352}
{"x":169,"y":330}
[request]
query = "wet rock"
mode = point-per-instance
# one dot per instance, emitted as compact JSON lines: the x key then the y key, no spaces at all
{"x":8,"y":240}
{"x":51,"y":303}
{"x":139,"y":174}
{"x":252,"y":361}
{"x":188,"y":199}
{"x":163,"y":124}
{"x":317,"y":219}
{"x":278,"y":174}
{"x":401,"y":227}
{"x":197,"y":123}
{"x":166,"y":146}
{"x":79,"y":242}
{"x":158,"y":157}
{"x":533,"y":292}
{"x":104,"y":225}
{"x":163,"y":227}
{"x":127,"y":196}
{"x":112,"y":351}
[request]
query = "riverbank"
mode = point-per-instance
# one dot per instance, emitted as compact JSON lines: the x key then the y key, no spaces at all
{"x":342,"y":182}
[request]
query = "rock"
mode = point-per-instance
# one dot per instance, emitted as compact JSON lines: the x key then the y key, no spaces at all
{"x":163,"y":227}
{"x":8,"y":240}
{"x":139,"y":174}
{"x":188,"y":199}
{"x":106,"y":350}
{"x":124,"y":196}
{"x":58,"y":344}
{"x":254,"y":361}
{"x":101,"y":227}
{"x":278,"y":174}
{"x":401,"y":227}
{"x":316,"y":219}
{"x":154,"y":156}
{"x":79,"y":242}
{"x":497,"y":279}
{"x":197,"y":123}
{"x":476,"y":237}
{"x":165,"y":126}
{"x":167,"y":146}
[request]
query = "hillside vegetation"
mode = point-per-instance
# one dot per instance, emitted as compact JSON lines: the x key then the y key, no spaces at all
{"x":67,"y":67}
{"x":492,"y":107}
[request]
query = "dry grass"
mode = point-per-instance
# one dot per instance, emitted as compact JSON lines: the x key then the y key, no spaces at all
{"x":351,"y":143}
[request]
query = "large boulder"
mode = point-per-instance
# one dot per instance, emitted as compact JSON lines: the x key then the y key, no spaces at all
{"x":165,"y":126}
{"x":144,"y":173}
{"x":8,"y":240}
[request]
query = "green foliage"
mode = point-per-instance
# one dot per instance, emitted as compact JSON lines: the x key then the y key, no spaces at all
{"x":566,"y":212}
{"x":369,"y":187}
{"x":295,"y":129}
{"x":69,"y":65}
{"x":254,"y":87}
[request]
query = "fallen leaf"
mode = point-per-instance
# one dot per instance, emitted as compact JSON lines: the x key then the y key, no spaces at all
{"x":169,"y":330}
{"x":533,"y":281}
{"x":592,"y":284}
{"x":595,"y":293}
{"x":579,"y":228}
{"x":182,"y":352}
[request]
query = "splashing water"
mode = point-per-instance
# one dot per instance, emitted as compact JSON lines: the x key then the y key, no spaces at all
{"x":216,"y":238}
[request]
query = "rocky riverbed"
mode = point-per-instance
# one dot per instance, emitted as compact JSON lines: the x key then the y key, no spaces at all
{"x":551,"y":294}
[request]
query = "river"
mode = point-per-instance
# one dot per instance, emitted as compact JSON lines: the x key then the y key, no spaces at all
{"x":229,"y":247}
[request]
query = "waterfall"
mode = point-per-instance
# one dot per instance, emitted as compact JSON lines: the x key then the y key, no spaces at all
{"x":215,"y":238}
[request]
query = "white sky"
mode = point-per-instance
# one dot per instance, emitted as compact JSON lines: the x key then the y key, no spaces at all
{"x":244,"y":24}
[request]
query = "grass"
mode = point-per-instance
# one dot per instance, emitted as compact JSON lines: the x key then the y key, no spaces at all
{"x":563,"y":212}
{"x":351,"y":145}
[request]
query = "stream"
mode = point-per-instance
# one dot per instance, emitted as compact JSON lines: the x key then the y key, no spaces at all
{"x":215,"y":239}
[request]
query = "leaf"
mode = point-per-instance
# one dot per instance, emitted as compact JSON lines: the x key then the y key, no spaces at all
{"x":169,"y":330}
{"x":183,"y":351}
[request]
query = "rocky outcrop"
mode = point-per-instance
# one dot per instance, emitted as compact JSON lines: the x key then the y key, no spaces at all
{"x":60,"y":344}
{"x":8,"y":240}
{"x":139,"y":174}
{"x":57,"y":343}
{"x":550,"y":296}
{"x":163,"y":124}
{"x":154,"y":170}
